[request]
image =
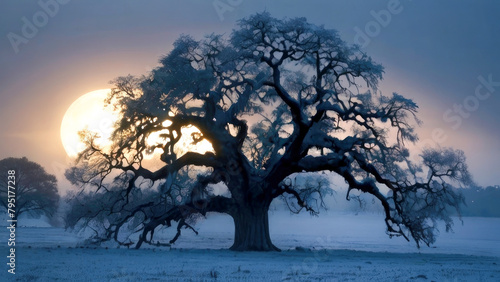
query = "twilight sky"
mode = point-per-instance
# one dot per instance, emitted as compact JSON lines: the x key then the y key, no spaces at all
{"x":443,"y":55}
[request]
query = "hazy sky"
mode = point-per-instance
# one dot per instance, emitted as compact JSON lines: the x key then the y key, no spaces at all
{"x":443,"y":55}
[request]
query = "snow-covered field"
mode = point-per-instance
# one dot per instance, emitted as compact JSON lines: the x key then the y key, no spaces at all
{"x":332,"y":247}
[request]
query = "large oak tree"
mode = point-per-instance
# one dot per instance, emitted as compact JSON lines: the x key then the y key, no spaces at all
{"x":277,"y":99}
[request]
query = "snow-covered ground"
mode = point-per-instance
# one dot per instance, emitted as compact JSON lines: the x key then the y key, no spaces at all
{"x":332,"y":247}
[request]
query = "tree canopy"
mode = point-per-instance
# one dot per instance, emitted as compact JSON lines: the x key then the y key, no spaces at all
{"x":36,"y":190}
{"x":278,"y":100}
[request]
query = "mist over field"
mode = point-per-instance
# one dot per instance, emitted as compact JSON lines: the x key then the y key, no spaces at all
{"x":335,"y":246}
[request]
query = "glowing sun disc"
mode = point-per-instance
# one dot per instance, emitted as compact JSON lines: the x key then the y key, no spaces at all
{"x":87,"y":112}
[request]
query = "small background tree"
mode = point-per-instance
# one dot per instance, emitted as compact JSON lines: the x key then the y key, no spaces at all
{"x":36,"y":190}
{"x":278,"y":100}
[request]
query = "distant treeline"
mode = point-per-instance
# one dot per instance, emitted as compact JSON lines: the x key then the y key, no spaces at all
{"x":484,"y":202}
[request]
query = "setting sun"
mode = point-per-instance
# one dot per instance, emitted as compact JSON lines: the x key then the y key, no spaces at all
{"x":87,"y":112}
{"x":90,"y":113}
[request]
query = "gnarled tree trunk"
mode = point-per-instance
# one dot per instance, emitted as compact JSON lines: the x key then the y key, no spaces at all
{"x":251,"y":230}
